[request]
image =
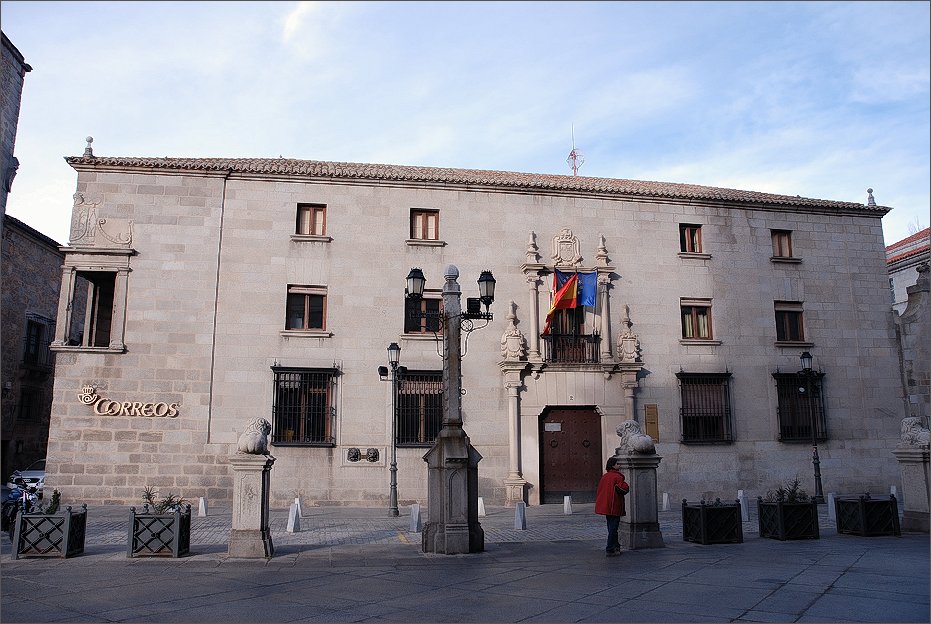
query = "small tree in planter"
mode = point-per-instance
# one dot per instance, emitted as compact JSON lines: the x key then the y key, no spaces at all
{"x":162,"y":529}
{"x":788,"y":513}
{"x":48,"y":532}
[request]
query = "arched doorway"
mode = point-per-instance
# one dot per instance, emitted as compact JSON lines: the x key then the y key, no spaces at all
{"x":570,"y":454}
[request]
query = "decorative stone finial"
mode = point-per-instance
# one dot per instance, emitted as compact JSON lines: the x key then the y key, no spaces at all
{"x":869,"y":197}
{"x":628,"y":343}
{"x":602,"y":254}
{"x":533,"y":256}
{"x":88,"y":151}
{"x":513,"y":343}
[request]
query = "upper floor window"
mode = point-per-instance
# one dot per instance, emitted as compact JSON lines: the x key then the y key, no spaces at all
{"x":420,"y":407}
{"x":706,"y":407}
{"x":690,"y":238}
{"x":800,"y":407}
{"x":782,"y":244}
{"x":306,"y":308}
{"x":696,"y":319}
{"x":789,"y":321}
{"x":304,"y":408}
{"x":422,"y":316}
{"x":36,"y":352}
{"x":425,"y":224}
{"x":92,"y":309}
{"x":31,"y":404}
{"x":311,"y":220}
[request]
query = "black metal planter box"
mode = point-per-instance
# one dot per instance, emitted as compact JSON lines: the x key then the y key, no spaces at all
{"x":867,"y":516}
{"x":788,"y":521}
{"x":159,"y":535}
{"x":715,"y":523}
{"x":50,"y":535}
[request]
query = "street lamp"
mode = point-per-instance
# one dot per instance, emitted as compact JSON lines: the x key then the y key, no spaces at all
{"x":808,"y":374}
{"x":452,"y":462}
{"x":396,"y":373}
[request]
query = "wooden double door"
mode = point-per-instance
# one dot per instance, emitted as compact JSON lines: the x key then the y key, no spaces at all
{"x":570,"y":454}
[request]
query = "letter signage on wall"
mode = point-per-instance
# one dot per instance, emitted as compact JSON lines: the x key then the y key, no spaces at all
{"x":106,"y":407}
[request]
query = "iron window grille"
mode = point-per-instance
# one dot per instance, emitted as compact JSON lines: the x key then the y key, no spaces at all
{"x":705,"y":415}
{"x":304,"y":407}
{"x":31,"y":404}
{"x":36,"y":353}
{"x":420,"y":408}
{"x":795,"y":419}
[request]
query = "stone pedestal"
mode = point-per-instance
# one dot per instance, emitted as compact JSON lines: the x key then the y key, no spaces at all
{"x":516,"y":491}
{"x":640,"y":527}
{"x":452,"y":496}
{"x":913,"y":467}
{"x":250,"y":536}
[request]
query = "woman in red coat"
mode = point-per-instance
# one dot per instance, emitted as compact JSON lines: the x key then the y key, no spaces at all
{"x":609,"y":502}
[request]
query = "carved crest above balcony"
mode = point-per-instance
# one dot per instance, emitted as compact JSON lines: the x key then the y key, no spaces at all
{"x":89,"y":230}
{"x":566,"y":249}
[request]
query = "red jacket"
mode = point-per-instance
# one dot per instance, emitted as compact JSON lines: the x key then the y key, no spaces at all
{"x":607,"y":501}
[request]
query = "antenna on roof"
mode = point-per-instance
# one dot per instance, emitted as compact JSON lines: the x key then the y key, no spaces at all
{"x":575,"y":159}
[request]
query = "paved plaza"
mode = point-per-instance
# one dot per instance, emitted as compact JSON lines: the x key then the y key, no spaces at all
{"x":354,"y":565}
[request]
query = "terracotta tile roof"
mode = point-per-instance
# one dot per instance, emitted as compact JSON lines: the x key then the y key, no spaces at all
{"x":914,"y":238}
{"x":501,"y":180}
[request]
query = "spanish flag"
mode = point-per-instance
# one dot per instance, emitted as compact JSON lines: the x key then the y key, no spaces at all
{"x":566,"y":297}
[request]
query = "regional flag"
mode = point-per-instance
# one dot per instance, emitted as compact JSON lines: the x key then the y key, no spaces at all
{"x":566,"y":296}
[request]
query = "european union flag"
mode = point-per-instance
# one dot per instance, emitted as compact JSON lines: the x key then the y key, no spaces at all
{"x":588,"y":285}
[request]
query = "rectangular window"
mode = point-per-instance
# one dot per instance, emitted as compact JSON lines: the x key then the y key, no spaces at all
{"x":31,"y":403}
{"x":696,"y":319}
{"x":425,"y":224}
{"x":414,"y":309}
{"x":92,"y":323}
{"x":706,"y":407}
{"x":800,"y":407}
{"x":306,"y":307}
{"x":311,"y":219}
{"x":304,"y":409}
{"x":690,"y":238}
{"x":420,"y":408}
{"x":36,"y":352}
{"x":789,"y":321}
{"x":782,"y":243}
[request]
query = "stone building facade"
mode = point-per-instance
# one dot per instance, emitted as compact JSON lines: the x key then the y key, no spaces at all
{"x":13,"y":69}
{"x":31,"y":279}
{"x":228,"y":289}
{"x":903,"y":259}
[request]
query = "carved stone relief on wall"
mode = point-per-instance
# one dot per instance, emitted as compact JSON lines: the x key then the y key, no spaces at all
{"x":89,"y":230}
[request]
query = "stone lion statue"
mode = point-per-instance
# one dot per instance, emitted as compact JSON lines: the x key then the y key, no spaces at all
{"x":633,"y":440}
{"x":254,"y":440}
{"x":914,"y":433}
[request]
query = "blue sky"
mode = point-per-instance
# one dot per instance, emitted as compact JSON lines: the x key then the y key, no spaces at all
{"x":814,"y":99}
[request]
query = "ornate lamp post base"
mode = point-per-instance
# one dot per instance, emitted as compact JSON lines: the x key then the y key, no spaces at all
{"x":452,"y":485}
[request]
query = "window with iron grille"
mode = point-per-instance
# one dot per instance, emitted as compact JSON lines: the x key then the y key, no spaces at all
{"x":690,"y":238}
{"x":782,"y":243}
{"x":799,"y":408}
{"x":311,"y":220}
{"x":36,"y":344}
{"x":789,"y":321}
{"x":31,"y":404}
{"x":696,"y":319}
{"x":706,"y":407}
{"x":304,"y":408}
{"x":420,"y":408}
{"x":306,"y":307}
{"x":415,"y":322}
{"x":425,"y":224}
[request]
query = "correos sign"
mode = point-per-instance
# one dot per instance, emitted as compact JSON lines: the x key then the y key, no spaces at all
{"x":106,"y":407}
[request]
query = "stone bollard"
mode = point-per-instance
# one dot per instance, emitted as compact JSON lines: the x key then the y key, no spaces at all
{"x":744,"y":506}
{"x":567,"y":505}
{"x":300,"y":512}
{"x":294,"y":518}
{"x":202,"y":507}
{"x":892,"y":491}
{"x":416,"y":520}
{"x":520,"y":516}
{"x":481,"y":507}
{"x":665,"y":501}
{"x":832,"y":513}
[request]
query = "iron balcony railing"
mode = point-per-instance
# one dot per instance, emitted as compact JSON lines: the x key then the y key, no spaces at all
{"x":572,"y":349}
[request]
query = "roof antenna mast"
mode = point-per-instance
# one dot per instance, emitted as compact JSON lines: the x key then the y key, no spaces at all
{"x":575,"y":159}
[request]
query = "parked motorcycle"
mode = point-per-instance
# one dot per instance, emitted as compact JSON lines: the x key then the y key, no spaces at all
{"x":22,"y":497}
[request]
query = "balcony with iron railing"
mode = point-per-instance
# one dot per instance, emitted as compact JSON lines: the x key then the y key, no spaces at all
{"x":571,"y":348}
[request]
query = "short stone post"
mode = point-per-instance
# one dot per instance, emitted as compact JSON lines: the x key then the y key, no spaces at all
{"x":250,"y":536}
{"x":665,"y":501}
{"x":832,"y":511}
{"x":520,"y":516}
{"x":481,"y":507}
{"x":637,"y":460}
{"x":297,"y":502}
{"x":744,"y":506}
{"x":202,"y":507}
{"x":913,"y":456}
{"x":294,"y":519}
{"x":567,"y":505}
{"x":416,"y":520}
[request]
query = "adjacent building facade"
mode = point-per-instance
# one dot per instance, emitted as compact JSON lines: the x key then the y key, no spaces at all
{"x":903,"y":259}
{"x":220,"y":290}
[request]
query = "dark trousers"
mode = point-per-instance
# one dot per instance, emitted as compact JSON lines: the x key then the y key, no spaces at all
{"x":614,"y":523}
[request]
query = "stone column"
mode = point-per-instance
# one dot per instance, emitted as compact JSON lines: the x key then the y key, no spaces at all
{"x":604,"y":282}
{"x":913,"y":467}
{"x":66,"y":296}
{"x":640,"y":527}
{"x":534,"y":282}
{"x":515,"y":484}
{"x":250,"y":536}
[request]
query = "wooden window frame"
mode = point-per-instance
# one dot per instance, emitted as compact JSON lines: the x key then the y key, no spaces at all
{"x":313,"y":210}
{"x":789,"y":315}
{"x":427,"y":215}
{"x":431,"y":302}
{"x":782,"y":244}
{"x":694,"y":308}
{"x":308,"y":293}
{"x":690,"y":238}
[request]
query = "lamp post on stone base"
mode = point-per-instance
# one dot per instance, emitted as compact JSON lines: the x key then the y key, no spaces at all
{"x":452,"y":463}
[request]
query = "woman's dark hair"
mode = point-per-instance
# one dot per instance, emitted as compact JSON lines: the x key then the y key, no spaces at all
{"x":611,"y":463}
